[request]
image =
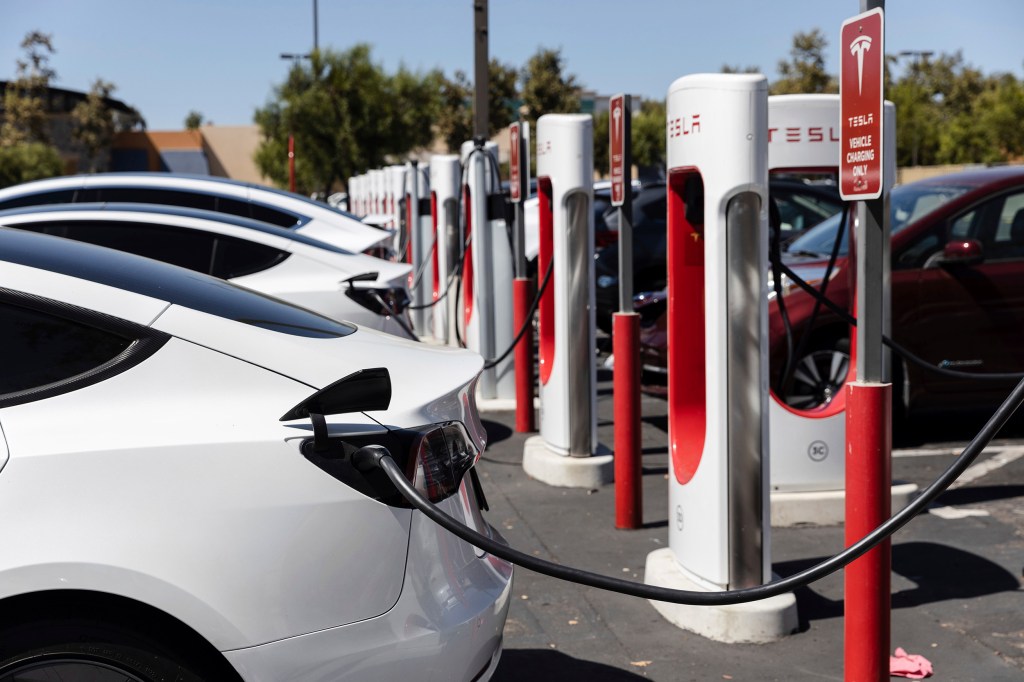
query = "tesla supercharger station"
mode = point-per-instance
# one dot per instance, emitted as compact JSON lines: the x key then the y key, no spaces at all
{"x":564,"y":452}
{"x":395,"y":192}
{"x":376,"y":197}
{"x":719,"y":532}
{"x":807,"y":445}
{"x":445,"y":173}
{"x":486,"y":322}
{"x":419,"y":241}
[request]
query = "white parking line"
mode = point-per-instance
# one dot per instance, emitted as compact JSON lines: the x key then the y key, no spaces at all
{"x":1001,"y":458}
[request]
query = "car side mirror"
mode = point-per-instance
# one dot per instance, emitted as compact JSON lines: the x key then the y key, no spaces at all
{"x":962,"y":252}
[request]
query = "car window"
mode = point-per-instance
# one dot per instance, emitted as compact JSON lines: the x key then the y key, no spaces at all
{"x":40,"y":349}
{"x":267,"y":214}
{"x":149,"y":195}
{"x":998,"y":224}
{"x":192,"y":249}
{"x":234,"y":257}
{"x":802,"y":211}
{"x":61,"y":196}
{"x":165,"y":283}
{"x":907,"y":203}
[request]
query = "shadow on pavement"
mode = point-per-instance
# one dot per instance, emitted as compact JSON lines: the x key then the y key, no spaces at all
{"x":544,"y":665}
{"x":496,"y":431}
{"x":984,"y":493}
{"x":939,"y":572}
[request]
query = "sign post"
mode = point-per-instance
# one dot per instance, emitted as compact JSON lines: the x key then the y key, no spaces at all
{"x":869,"y":398}
{"x":522,"y":289}
{"x":625,"y":327}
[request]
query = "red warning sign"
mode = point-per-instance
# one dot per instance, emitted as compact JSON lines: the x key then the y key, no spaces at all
{"x":617,"y":147}
{"x":862,"y":56}
{"x":514,"y":174}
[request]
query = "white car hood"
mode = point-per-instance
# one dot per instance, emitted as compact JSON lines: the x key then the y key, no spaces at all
{"x":389,"y":273}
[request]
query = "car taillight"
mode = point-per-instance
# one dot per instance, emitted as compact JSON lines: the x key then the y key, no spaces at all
{"x":434,"y":457}
{"x":381,"y":300}
{"x":440,"y":458}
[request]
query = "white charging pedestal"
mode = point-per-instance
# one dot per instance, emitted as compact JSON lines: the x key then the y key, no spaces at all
{"x":445,"y":173}
{"x":487,"y":280}
{"x":394,"y":192}
{"x":419,"y":241}
{"x":719,"y":532}
{"x":807,"y":445}
{"x":566,"y":453}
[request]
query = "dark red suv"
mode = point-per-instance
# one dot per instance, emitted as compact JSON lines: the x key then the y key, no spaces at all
{"x":957,"y":296}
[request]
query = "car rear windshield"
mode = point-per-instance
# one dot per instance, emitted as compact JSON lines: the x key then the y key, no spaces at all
{"x":164,"y":282}
{"x":908,"y":203}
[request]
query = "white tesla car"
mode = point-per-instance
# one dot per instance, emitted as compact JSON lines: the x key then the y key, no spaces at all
{"x":362,"y":289}
{"x":284,"y":209}
{"x":178,"y":495}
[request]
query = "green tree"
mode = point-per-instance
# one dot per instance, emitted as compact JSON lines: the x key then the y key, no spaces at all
{"x":649,"y":134}
{"x":93,"y":124}
{"x":25,"y":97}
{"x":454,"y":122}
{"x":347,"y":115}
{"x":805,"y":72}
{"x":546,"y":88}
{"x":27,"y":161}
{"x":25,"y":151}
{"x":193,"y":120}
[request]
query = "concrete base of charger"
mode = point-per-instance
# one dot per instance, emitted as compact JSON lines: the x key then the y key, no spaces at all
{"x":826,"y":507}
{"x":767,"y":620}
{"x":562,"y":471}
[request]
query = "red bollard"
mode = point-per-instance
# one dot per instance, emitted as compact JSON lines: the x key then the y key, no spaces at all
{"x":521,"y":297}
{"x":868,"y":504}
{"x":626,"y":388}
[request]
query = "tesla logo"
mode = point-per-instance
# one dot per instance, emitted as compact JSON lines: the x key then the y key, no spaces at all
{"x":858,"y":47}
{"x":684,"y":125}
{"x":616,"y":129}
{"x":817,"y":451}
{"x":679,"y":517}
{"x":798,"y":134}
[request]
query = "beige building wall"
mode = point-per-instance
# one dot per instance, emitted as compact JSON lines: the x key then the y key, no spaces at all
{"x":229,"y":151}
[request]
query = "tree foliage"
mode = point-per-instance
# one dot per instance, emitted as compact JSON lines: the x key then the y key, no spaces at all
{"x":25,"y":96}
{"x":93,"y":124}
{"x":454,"y":119}
{"x":193,"y":120}
{"x":805,"y":71}
{"x":27,"y":161}
{"x":546,"y":88}
{"x":347,"y":115}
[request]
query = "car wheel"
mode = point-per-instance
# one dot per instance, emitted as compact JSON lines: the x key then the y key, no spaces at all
{"x":818,"y":377}
{"x":86,"y":652}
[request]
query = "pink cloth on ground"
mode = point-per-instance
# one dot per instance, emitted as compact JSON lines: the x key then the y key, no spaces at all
{"x":913,"y":666}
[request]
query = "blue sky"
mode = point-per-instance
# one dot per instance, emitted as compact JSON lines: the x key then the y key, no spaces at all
{"x":221,"y":57}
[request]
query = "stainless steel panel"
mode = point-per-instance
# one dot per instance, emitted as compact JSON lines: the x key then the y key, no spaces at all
{"x":744,"y":296}
{"x":580,"y":344}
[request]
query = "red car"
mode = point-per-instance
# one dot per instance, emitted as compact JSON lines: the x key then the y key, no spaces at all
{"x":957,"y":297}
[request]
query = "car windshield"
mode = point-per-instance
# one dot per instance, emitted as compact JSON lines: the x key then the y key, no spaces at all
{"x":908,"y":203}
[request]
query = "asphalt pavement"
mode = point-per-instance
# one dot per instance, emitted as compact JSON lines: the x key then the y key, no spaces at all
{"x":956,"y":580}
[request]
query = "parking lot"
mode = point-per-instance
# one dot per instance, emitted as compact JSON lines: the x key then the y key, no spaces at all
{"x":955,"y":585}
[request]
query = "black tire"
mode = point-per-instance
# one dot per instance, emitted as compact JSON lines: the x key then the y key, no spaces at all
{"x":818,"y":376}
{"x":82,"y":651}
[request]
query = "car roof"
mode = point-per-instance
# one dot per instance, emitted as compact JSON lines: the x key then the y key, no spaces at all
{"x":104,"y":179}
{"x":975,"y":177}
{"x":163,"y":282}
{"x":47,"y":211}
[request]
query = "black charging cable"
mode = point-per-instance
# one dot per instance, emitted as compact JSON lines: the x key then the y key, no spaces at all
{"x":376,"y":456}
{"x":528,"y":322}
